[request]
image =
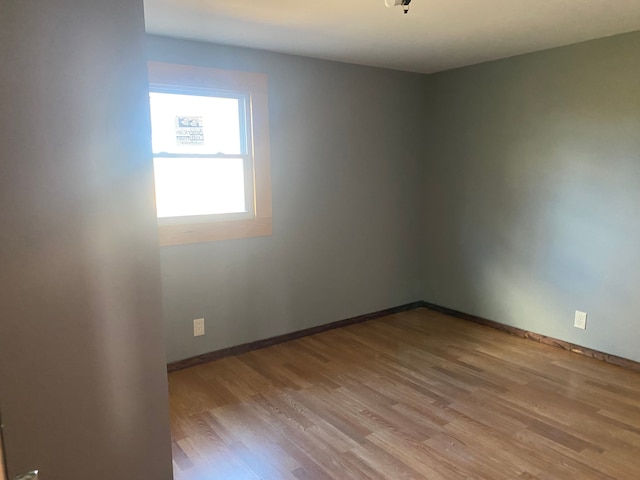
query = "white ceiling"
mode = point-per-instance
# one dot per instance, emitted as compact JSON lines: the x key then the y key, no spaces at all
{"x":436,"y":34}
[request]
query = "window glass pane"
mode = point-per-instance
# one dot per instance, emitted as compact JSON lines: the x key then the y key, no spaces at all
{"x":199,"y":186}
{"x":188,"y":124}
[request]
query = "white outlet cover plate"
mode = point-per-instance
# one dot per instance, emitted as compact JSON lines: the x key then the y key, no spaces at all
{"x":580,"y":320}
{"x":198,"y":327}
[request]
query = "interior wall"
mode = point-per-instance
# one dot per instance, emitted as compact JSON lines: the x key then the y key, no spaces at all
{"x":346,"y":163}
{"x":83,"y":386}
{"x":531,"y":192}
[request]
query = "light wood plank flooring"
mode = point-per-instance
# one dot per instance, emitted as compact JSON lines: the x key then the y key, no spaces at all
{"x":416,"y":395}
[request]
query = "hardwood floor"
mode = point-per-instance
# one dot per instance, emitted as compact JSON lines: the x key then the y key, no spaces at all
{"x":416,"y":395}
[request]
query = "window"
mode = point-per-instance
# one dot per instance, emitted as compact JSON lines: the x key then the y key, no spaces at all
{"x":210,"y":137}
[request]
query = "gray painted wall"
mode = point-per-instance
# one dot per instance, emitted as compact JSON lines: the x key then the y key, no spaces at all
{"x":532,"y":192}
{"x":346,"y":158}
{"x":82,"y":379}
{"x":505,"y":190}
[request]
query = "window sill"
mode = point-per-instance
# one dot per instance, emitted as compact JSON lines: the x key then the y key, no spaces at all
{"x":182,"y":234}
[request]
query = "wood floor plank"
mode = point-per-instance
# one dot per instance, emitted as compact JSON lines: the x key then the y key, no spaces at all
{"x":415,"y":395}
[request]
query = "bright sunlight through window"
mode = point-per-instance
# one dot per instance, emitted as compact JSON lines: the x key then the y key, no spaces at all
{"x":199,"y":154}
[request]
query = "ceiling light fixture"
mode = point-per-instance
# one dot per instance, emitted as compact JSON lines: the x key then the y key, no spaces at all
{"x":397,"y":3}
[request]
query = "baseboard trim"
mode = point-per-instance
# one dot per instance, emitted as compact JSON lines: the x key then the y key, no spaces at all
{"x":267,"y":342}
{"x":536,"y":337}
{"x":518,"y":332}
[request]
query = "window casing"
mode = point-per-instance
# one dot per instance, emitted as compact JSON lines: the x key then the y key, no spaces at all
{"x":181,"y":168}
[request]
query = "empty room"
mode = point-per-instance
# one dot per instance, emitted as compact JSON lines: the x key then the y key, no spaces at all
{"x":381,"y":239}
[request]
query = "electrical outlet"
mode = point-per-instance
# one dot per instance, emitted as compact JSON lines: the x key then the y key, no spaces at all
{"x":198,"y":327}
{"x":580,"y":320}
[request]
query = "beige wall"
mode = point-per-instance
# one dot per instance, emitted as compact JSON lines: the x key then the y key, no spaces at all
{"x":346,"y":163}
{"x":532,"y":192}
{"x":82,"y":383}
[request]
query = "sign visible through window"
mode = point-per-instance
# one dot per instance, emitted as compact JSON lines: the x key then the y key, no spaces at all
{"x":189,"y":131}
